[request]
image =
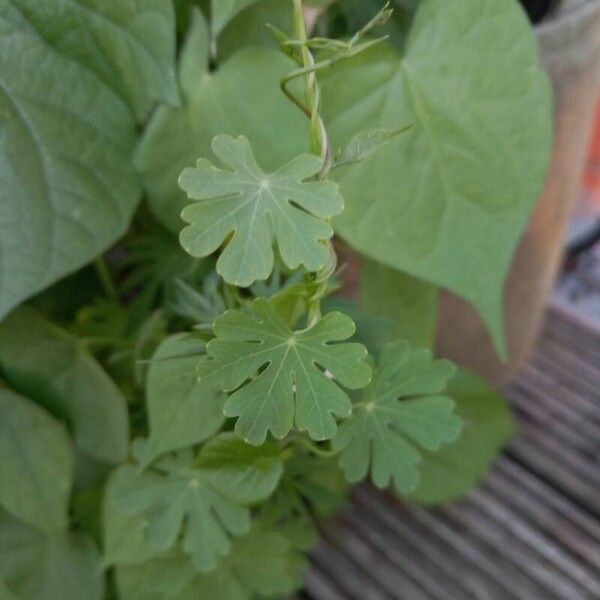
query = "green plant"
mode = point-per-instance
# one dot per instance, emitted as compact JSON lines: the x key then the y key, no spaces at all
{"x":175,"y":424}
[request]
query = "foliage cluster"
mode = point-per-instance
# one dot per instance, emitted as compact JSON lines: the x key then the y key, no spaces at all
{"x":177,"y":414}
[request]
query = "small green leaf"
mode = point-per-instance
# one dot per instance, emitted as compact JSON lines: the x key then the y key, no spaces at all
{"x":488,"y":426}
{"x":44,"y":363}
{"x":181,"y":410}
{"x":402,"y":409}
{"x":365,"y":143}
{"x":262,"y":563}
{"x":300,"y":384}
{"x":34,"y":566}
{"x":36,"y":464}
{"x":248,"y":209}
{"x":210,"y":501}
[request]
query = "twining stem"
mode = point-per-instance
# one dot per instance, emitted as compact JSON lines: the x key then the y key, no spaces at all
{"x":318,"y":133}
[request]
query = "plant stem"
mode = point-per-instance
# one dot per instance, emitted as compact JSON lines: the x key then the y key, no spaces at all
{"x":318,"y":134}
{"x":106,"y":279}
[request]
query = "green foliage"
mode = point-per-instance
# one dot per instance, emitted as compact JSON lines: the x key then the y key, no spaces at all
{"x":403,"y":408}
{"x":461,"y":167}
{"x":176,"y":137}
{"x":300,"y":384}
{"x":34,"y":566}
{"x":242,"y":575}
{"x":222,"y":11}
{"x":251,"y":209}
{"x":36,"y":469}
{"x":52,"y":368}
{"x":488,"y":426}
{"x":248,"y":390}
{"x":182,"y":411}
{"x":409,"y":302}
{"x":210,"y":499}
{"x":68,"y":186}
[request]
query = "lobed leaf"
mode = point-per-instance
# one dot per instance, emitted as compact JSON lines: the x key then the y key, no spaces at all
{"x":262,"y":563}
{"x":402,"y":410}
{"x":246,"y":210}
{"x":212,"y":104}
{"x":280,"y":378}
{"x":208,"y":502}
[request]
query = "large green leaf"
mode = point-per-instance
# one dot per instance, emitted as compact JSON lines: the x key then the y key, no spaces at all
{"x":67,"y":187}
{"x":411,"y":303}
{"x":181,"y":410}
{"x":488,"y":426}
{"x":448,"y":200}
{"x":209,"y":500}
{"x":304,"y":369}
{"x":47,"y":365}
{"x":34,"y":566}
{"x":262,"y":563}
{"x":128,"y":44}
{"x":36,"y":464}
{"x":404,"y":407}
{"x":246,"y":210}
{"x":241,"y":97}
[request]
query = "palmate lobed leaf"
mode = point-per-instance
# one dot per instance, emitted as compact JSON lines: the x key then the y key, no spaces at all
{"x":262,"y":563}
{"x":247,"y":210}
{"x":300,"y":384}
{"x":212,"y":104}
{"x":402,"y":410}
{"x":208,"y":501}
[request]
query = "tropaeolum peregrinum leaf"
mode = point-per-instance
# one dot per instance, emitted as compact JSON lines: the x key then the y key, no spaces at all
{"x":208,"y":500}
{"x":262,"y":563}
{"x":403,"y":408}
{"x":248,"y":209}
{"x":286,"y":377}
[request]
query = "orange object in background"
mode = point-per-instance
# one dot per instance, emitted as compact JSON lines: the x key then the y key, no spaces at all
{"x":591,"y":180}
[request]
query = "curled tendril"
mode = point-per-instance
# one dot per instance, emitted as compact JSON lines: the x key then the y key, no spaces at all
{"x":300,"y":50}
{"x":339,"y":50}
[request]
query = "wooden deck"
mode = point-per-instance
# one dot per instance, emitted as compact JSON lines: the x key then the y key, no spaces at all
{"x":531,"y":531}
